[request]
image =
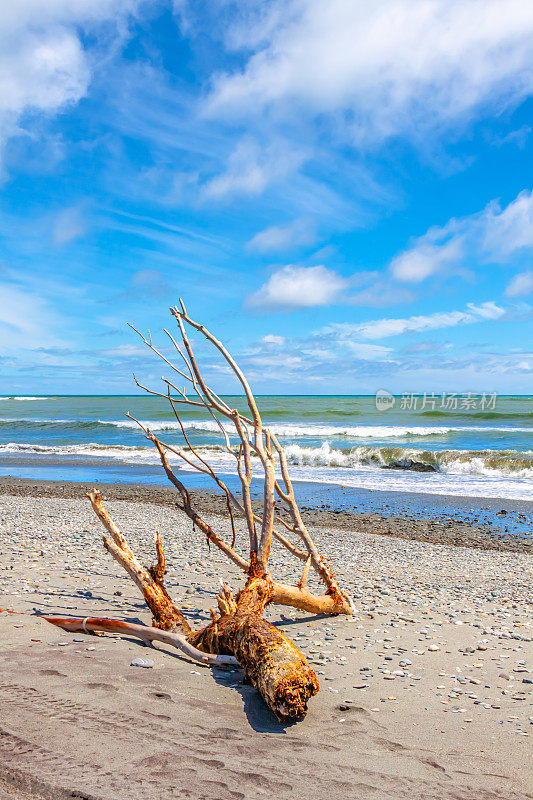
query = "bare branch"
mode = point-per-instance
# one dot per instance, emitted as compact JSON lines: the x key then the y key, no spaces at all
{"x":255,"y":441}
{"x":149,"y":344}
{"x":165,"y":612}
{"x":144,"y":633}
{"x":302,"y":583}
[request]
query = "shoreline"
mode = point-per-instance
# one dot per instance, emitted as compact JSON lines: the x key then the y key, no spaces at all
{"x":474,"y":523}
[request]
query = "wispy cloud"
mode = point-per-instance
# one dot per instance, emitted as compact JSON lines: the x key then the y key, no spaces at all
{"x":394,"y":68}
{"x":251,"y":169}
{"x":494,"y":234}
{"x":26,"y":320}
{"x":387,"y":327}
{"x":69,"y":224}
{"x":521,"y":285}
{"x":277,"y":238}
{"x":344,"y":355}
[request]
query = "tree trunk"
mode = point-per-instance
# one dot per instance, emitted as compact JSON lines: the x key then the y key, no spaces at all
{"x":271,"y":662}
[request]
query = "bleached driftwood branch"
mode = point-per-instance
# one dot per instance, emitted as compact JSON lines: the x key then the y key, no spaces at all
{"x":143,"y":632}
{"x":255,"y":440}
{"x":272,"y":663}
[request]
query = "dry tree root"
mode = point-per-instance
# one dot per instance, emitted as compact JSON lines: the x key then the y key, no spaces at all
{"x":271,"y":662}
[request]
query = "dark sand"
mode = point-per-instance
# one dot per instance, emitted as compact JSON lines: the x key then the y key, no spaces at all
{"x":459,"y":521}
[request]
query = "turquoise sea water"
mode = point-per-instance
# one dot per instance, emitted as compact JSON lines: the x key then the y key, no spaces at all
{"x":453,"y":445}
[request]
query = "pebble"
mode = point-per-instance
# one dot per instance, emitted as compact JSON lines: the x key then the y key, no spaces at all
{"x":147,"y":663}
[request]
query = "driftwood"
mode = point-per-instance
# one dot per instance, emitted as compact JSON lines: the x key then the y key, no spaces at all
{"x":143,"y":632}
{"x":271,"y":662}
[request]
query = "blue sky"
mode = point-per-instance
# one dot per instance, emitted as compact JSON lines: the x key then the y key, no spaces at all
{"x":341,"y":191}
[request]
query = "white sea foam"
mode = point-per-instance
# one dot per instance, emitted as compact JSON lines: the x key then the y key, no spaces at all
{"x":127,"y":454}
{"x":326,"y":465}
{"x":295,"y":431}
{"x":19,"y":397}
{"x":289,"y":430}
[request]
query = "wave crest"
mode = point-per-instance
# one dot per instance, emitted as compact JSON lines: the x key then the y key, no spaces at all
{"x":506,"y":463}
{"x":288,"y":430}
{"x":502,"y":464}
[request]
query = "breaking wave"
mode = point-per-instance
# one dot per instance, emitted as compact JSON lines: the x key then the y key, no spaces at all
{"x":289,"y":429}
{"x":19,"y":397}
{"x":505,"y":463}
{"x":281,"y":429}
{"x":490,"y":463}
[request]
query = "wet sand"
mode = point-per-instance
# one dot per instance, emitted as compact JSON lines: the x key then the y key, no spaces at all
{"x":425,"y":694}
{"x":458,"y":521}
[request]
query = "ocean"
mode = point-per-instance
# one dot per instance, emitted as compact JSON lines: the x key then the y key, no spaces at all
{"x":453,"y":445}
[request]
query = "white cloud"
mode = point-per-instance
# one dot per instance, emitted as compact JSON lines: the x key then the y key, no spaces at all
{"x":424,"y":259}
{"x":383,"y":328}
{"x":521,"y":284}
{"x":26,"y":320}
{"x":510,"y":229}
{"x":69,"y":224}
{"x":43,"y":63}
{"x":368,"y":352}
{"x":273,"y":340}
{"x":299,"y":287}
{"x":494,"y":234}
{"x":252,"y":168}
{"x":395,"y":66}
{"x":487,"y":310}
{"x":282,"y":237}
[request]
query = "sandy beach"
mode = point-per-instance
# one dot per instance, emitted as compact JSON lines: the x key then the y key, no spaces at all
{"x":425,"y":693}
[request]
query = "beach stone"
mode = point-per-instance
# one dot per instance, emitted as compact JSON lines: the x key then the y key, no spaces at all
{"x":147,"y":663}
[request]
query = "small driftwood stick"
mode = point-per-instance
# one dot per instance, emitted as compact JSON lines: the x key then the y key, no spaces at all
{"x":144,"y":633}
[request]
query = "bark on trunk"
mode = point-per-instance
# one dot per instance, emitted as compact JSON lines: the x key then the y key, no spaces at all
{"x":271,"y":662}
